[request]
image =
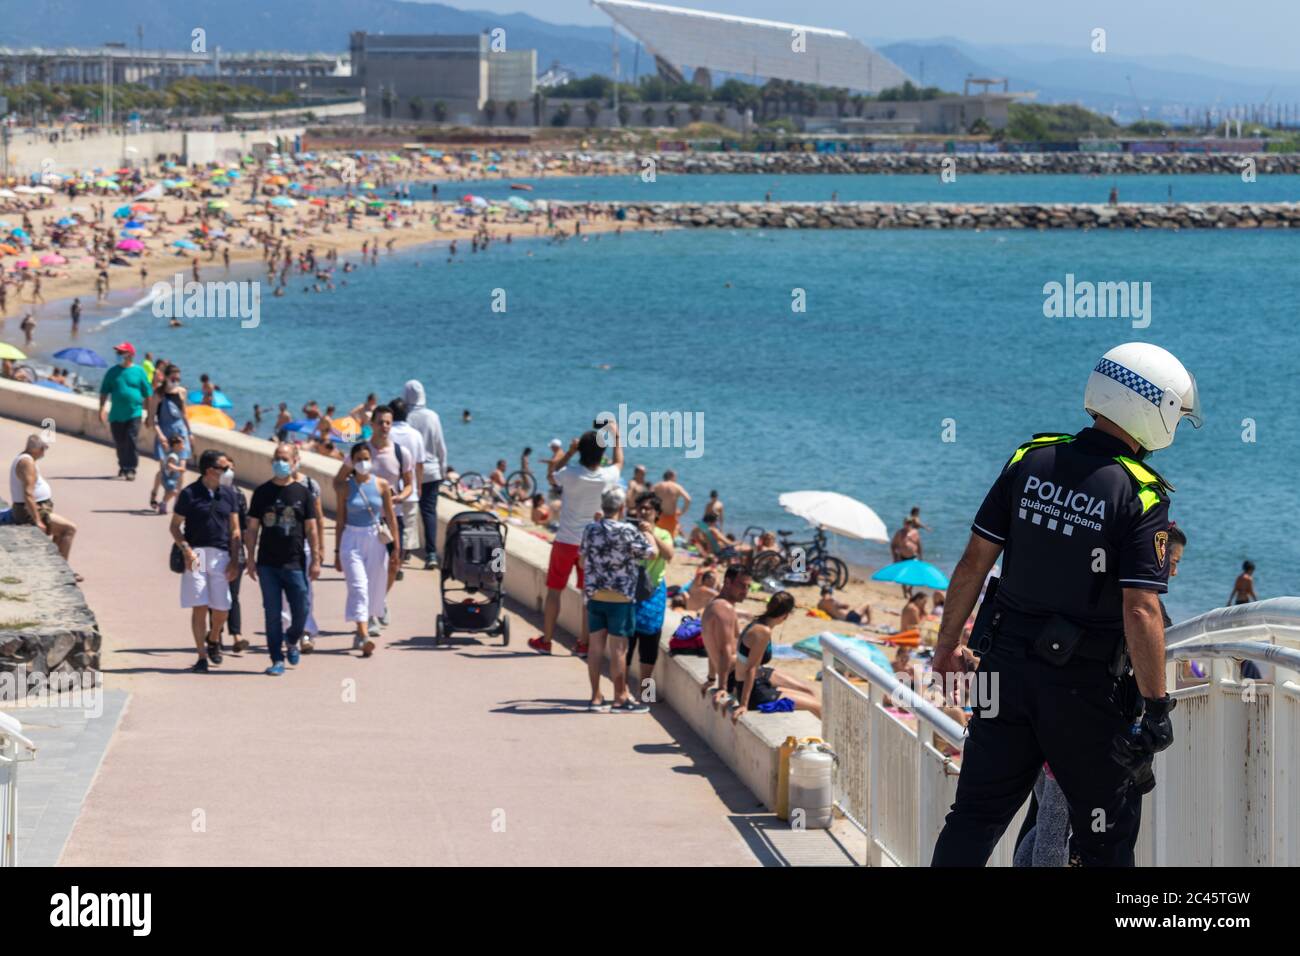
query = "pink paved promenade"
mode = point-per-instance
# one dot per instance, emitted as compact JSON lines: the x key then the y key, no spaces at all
{"x":473,"y":755}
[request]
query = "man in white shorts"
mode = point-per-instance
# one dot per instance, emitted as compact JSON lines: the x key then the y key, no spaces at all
{"x":205,"y":526}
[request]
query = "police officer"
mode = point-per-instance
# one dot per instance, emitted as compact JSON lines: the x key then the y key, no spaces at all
{"x":1082,"y":524}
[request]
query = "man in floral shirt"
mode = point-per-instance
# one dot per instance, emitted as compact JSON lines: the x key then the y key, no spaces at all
{"x":611,"y":551}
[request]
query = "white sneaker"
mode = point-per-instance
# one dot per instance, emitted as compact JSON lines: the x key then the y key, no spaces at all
{"x":384,"y":618}
{"x":374,"y":626}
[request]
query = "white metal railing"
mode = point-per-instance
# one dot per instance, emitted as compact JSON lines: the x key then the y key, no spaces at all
{"x":893,"y":779}
{"x":1228,"y":789}
{"x":14,"y":747}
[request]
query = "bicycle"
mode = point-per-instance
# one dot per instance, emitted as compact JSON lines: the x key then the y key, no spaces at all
{"x":521,"y":485}
{"x":801,"y":562}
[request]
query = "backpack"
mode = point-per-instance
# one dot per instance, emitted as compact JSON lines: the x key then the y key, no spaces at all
{"x":688,"y":638}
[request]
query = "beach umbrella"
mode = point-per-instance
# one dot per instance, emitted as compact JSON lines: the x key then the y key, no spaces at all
{"x":66,"y":221}
{"x":8,"y":250}
{"x":914,"y":573}
{"x":130,"y":245}
{"x":283,"y":202}
{"x":219,"y":399}
{"x":122,"y":212}
{"x":316,"y":202}
{"x":836,"y":513}
{"x":132,"y":224}
{"x":52,"y":259}
{"x":8,"y":351}
{"x":207,"y":415}
{"x":523,"y":205}
{"x":218,"y":203}
{"x":43,"y":190}
{"x":478,"y":202}
{"x":56,"y":386}
{"x":346,"y":429}
{"x":81,"y":356}
{"x":8,"y":194}
{"x":184,"y":244}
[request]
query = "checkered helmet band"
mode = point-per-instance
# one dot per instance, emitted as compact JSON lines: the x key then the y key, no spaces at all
{"x":1130,"y":379}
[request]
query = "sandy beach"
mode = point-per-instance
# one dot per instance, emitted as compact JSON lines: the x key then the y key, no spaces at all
{"x":246,"y":221}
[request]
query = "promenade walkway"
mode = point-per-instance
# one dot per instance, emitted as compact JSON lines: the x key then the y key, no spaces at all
{"x":475,"y":754}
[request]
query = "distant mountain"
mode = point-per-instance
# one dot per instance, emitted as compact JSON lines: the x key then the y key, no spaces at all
{"x":303,"y":26}
{"x":1120,"y":86}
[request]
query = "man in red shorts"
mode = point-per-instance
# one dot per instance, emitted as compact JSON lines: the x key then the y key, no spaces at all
{"x":581,"y":485}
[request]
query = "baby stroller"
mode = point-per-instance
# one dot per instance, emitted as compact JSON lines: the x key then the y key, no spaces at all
{"x":473,"y":554}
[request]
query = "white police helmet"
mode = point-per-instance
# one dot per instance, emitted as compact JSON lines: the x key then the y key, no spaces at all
{"x":1144,"y":390}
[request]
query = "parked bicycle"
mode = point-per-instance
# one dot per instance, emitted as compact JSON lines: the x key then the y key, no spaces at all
{"x":801,"y":562}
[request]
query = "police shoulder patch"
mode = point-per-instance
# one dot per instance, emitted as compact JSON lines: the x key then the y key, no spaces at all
{"x":1161,"y":542}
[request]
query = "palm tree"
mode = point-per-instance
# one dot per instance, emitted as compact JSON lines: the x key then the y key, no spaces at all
{"x":720,"y":114}
{"x":648,"y":114}
{"x":561,"y":117}
{"x":386,"y":100}
{"x":490,"y":110}
{"x":592,"y":110}
{"x":670,"y":114}
{"x":537,"y":109}
{"x":417,"y":107}
{"x":696,"y":112}
{"x":623,"y":114}
{"x":512,"y":112}
{"x":439,"y":111}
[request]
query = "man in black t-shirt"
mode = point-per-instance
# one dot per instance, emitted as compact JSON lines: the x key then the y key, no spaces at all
{"x":280,"y":519}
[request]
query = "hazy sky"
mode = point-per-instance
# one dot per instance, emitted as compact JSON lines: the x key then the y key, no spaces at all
{"x":1261,"y":33}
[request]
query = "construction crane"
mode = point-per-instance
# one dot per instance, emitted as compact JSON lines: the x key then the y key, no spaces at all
{"x":1133,"y":89}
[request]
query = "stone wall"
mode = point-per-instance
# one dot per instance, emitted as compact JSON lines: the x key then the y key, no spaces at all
{"x":1100,"y":164}
{"x":874,"y":215}
{"x":45,"y":624}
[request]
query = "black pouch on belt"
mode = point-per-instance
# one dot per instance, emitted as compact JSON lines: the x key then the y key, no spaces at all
{"x":987,"y":619}
{"x":1057,"y":641}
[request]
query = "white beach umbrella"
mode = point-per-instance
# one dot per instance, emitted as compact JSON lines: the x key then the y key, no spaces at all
{"x":837,"y":513}
{"x":153,"y":192}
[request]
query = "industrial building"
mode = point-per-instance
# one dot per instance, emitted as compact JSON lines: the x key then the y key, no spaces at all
{"x":420,"y":76}
{"x":119,"y":63}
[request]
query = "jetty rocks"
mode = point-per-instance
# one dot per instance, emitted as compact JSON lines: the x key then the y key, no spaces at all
{"x":45,"y":624}
{"x":1078,"y":163}
{"x":925,"y":215}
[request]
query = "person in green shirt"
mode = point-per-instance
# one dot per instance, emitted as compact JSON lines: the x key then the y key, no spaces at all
{"x":129,"y":388}
{"x":649,"y":614}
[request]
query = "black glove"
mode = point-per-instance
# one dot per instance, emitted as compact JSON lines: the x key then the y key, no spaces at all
{"x":1154,"y":733}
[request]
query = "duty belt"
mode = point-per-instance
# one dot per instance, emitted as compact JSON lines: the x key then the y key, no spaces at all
{"x":1096,"y":645}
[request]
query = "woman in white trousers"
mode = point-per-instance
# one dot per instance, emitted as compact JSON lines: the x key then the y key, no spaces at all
{"x":365,"y":512}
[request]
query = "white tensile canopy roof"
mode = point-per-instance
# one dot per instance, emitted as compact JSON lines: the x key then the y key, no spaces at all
{"x":750,"y":47}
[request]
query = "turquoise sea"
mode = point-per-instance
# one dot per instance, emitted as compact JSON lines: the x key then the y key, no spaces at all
{"x":818,"y":187}
{"x":902,"y":332}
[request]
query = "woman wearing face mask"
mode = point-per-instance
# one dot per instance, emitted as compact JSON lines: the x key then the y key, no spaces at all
{"x":166,"y":419}
{"x":365,"y":506}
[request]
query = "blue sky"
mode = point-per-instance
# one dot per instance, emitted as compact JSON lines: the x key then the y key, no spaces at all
{"x":1261,"y":33}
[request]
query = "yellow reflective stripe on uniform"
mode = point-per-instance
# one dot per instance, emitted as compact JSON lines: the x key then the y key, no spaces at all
{"x":1143,"y":475}
{"x":1149,"y":498}
{"x":1038,"y":443}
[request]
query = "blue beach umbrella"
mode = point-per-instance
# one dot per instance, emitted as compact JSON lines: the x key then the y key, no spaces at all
{"x":66,"y":221}
{"x":184,"y":244}
{"x":123,"y":212}
{"x":914,"y":573}
{"x":81,"y":356}
{"x":303,"y":426}
{"x":219,"y":399}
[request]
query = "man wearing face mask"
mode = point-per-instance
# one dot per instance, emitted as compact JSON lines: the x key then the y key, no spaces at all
{"x":129,"y":388}
{"x":283,"y":518}
{"x":205,"y":526}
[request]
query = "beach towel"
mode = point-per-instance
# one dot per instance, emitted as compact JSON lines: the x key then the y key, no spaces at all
{"x":782,"y":705}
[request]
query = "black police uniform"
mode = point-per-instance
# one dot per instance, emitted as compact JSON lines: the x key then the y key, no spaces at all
{"x":1076,"y":527}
